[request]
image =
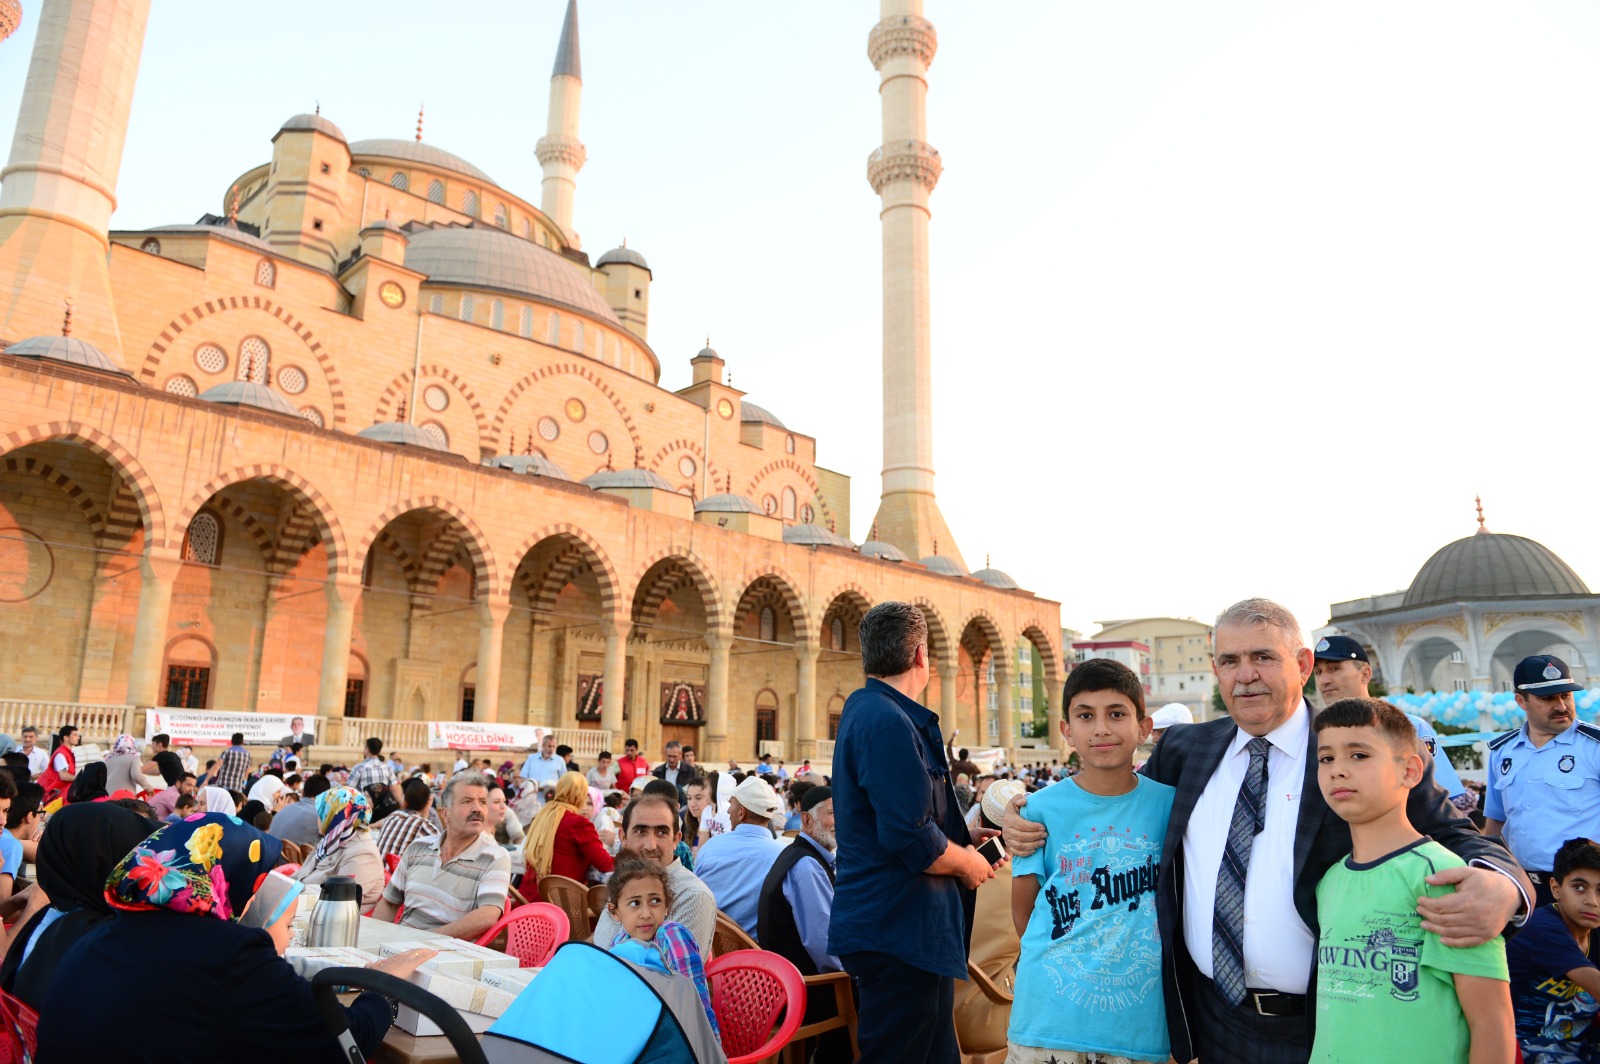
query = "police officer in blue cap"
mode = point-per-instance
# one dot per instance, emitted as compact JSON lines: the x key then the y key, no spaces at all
{"x":1343,"y":670}
{"x":1544,"y":778}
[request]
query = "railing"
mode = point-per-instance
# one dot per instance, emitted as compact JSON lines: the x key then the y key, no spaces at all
{"x":773,"y":747}
{"x":824,"y":754}
{"x":99,"y":723}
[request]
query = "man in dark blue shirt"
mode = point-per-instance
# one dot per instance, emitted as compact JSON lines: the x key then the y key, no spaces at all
{"x":902,"y":908}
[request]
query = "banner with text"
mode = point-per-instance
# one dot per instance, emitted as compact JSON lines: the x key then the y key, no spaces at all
{"x":472,"y":735}
{"x":190,"y":727}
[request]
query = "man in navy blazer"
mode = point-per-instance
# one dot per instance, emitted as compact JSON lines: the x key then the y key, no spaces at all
{"x":1261,"y":663}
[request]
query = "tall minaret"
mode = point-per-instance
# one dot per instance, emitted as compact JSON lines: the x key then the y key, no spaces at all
{"x":59,"y":188}
{"x":903,"y":173}
{"x":560,"y":151}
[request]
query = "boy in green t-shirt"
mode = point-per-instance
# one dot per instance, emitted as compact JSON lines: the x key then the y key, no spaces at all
{"x":1382,"y":981}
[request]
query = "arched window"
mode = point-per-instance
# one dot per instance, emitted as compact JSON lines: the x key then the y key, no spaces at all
{"x":769,"y":624}
{"x":151,"y":246}
{"x":526,"y":324}
{"x":436,"y":304}
{"x":552,"y":329}
{"x":788,"y":444}
{"x":527,"y":228}
{"x":398,"y":180}
{"x":467,"y":307}
{"x":364,"y":171}
{"x":469,"y":203}
{"x":500,"y":215}
{"x":436,"y":432}
{"x":788,"y":504}
{"x":435,"y":191}
{"x":766,"y":718}
{"x":577,"y":336}
{"x":837,"y":632}
{"x":183,"y":385}
{"x":616,"y":352}
{"x":266,"y":273}
{"x":497,"y":314}
{"x":202,"y":543}
{"x":255,"y":360}
{"x":313,"y":415}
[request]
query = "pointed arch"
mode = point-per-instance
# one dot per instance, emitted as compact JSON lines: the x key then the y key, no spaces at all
{"x":940,"y":645}
{"x":1049,"y":650}
{"x":121,"y":460}
{"x":647,"y":600}
{"x":981,"y":625}
{"x":612,"y":600}
{"x":487,"y":571}
{"x":301,"y":490}
{"x":799,"y":612}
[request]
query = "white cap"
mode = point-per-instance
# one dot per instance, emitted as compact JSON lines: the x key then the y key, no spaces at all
{"x":998,"y":796}
{"x":757,"y":796}
{"x":1170,"y":714}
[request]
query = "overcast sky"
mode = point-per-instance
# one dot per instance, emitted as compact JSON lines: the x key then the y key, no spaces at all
{"x":1241,"y":297}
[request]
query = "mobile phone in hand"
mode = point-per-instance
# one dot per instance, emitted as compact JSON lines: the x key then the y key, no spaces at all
{"x":993,"y":851}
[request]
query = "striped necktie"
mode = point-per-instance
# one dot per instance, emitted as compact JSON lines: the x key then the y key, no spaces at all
{"x":1227,"y":916}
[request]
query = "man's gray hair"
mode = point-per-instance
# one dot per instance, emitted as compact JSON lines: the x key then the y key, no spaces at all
{"x":464,"y":779}
{"x":1254,"y":611}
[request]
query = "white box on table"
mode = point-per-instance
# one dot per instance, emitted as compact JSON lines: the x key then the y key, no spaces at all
{"x":308,"y":961}
{"x":512,"y":980}
{"x":464,"y":995}
{"x":452,"y":961}
{"x":411,"y":1021}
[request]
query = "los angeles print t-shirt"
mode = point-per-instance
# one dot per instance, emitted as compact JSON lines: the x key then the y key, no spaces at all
{"x":1089,"y":978}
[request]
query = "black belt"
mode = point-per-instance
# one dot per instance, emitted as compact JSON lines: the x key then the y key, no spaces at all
{"x":1274,"y":1003}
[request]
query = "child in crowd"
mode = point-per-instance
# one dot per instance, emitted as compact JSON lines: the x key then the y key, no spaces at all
{"x":1088,"y":987}
{"x":1382,"y":981}
{"x":1554,"y":984}
{"x":186,"y":806}
{"x":639,"y":899}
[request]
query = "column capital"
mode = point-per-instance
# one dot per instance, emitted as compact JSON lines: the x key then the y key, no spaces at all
{"x":808,"y":652}
{"x":719,"y":638}
{"x":904,"y":160}
{"x":898,"y":35}
{"x":160,"y":563}
{"x":949,"y":668}
{"x":615,"y":626}
{"x":493,"y":610}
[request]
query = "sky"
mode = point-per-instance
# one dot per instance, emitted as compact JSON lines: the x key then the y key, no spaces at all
{"x":1235,"y":298}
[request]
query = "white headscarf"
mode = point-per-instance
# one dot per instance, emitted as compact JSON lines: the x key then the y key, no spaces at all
{"x":265,"y":791}
{"x":219,"y":801}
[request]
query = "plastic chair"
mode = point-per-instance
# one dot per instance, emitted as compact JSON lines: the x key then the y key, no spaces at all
{"x":391,"y":861}
{"x":973,"y":1050}
{"x":598,"y":897}
{"x":572,"y":898}
{"x":20,"y":1038}
{"x":759,"y":999}
{"x":729,"y":937}
{"x":288,"y":869}
{"x":533,"y":933}
{"x":844,"y":1015}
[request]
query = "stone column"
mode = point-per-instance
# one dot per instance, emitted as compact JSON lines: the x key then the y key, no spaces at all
{"x":492,"y":616}
{"x":949,"y":674}
{"x":614,"y":679}
{"x":717,"y":680}
{"x":805,"y":703}
{"x":158,"y":571}
{"x":343,"y":593}
{"x":1005,"y":695}
{"x":1052,"y":702}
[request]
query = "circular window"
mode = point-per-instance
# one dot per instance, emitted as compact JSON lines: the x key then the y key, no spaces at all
{"x":292,"y":379}
{"x":151,"y":246}
{"x":211,"y":358}
{"x":598,"y":442}
{"x":769,"y":505}
{"x":686,"y":466}
{"x":548,"y":429}
{"x":806,"y":513}
{"x":435,"y":431}
{"x":436,"y":397}
{"x":313,"y":415}
{"x":181,"y":385}
{"x":575,"y":410}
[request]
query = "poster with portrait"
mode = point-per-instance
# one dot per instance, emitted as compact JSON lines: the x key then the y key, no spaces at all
{"x":683,"y":703}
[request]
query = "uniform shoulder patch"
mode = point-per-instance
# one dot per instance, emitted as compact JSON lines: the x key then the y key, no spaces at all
{"x":1497,"y":743}
{"x":1589,"y":731}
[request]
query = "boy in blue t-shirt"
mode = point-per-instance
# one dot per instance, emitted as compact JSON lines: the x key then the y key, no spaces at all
{"x":1088,"y":987}
{"x":1554,"y":984}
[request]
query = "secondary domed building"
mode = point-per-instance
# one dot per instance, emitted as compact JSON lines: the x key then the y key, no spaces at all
{"x":1477,"y":607}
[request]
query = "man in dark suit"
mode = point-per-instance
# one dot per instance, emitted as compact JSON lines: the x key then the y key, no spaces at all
{"x":1249,"y":840}
{"x":298,"y":734}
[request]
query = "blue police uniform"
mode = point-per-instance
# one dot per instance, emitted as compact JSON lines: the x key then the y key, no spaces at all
{"x":1444,"y":773}
{"x":1546,"y":794}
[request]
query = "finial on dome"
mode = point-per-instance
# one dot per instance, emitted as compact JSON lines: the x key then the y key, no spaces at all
{"x":1483,"y":529}
{"x":986,"y":564}
{"x":400,"y":411}
{"x":318,"y":111}
{"x":528,"y":448}
{"x":233,"y":208}
{"x":874,"y":535}
{"x":935,"y":546}
{"x":66,"y":319}
{"x":419,"y":123}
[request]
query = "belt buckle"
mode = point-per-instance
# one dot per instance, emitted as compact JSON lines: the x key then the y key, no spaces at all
{"x":1258,"y":995}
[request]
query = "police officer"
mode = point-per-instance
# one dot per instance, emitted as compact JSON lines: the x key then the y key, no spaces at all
{"x":1343,"y":670}
{"x":1544,"y":778}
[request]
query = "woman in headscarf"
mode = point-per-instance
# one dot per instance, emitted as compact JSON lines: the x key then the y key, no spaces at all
{"x":344,"y":816}
{"x":179,"y":896}
{"x":267,"y":790}
{"x":122,"y":768}
{"x":562,"y":840}
{"x":89,"y":785}
{"x":255,"y":814}
{"x":75,"y":856}
{"x":216,"y":800}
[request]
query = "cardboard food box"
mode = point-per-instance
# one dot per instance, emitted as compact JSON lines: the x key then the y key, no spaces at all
{"x":413,"y":1022}
{"x":452,"y":961}
{"x":511,"y":980}
{"x":308,"y":961}
{"x":466,"y":996}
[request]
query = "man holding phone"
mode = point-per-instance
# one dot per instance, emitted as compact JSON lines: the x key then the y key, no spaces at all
{"x":907,"y":870}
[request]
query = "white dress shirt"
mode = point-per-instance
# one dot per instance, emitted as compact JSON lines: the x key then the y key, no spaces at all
{"x":1278,"y":947}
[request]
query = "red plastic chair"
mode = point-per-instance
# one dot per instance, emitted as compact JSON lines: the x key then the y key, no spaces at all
{"x":533,"y":932}
{"x":391,"y":861}
{"x":288,"y":869}
{"x":21,"y":1030}
{"x":760,"y":1001}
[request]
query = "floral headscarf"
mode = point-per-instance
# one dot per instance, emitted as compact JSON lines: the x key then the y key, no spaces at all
{"x":125,"y":744}
{"x":341,"y":812}
{"x":209,"y":865}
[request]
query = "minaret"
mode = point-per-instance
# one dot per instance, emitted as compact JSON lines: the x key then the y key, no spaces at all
{"x":903,"y":172}
{"x":560,"y":151}
{"x":59,"y":188}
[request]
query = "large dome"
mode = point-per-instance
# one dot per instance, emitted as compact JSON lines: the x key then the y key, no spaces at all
{"x":1489,"y":565}
{"x":414,"y":151}
{"x":492,"y":258}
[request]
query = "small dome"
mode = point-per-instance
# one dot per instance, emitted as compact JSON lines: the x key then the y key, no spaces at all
{"x":249,"y":393}
{"x":226,"y":232}
{"x":627,"y":478}
{"x":749,"y":411}
{"x":315,"y":122}
{"x":995,"y":578}
{"x":876,"y":548}
{"x":414,"y":151}
{"x":815,"y":536}
{"x":727,"y":504}
{"x":623,"y":254}
{"x":65,"y":349}
{"x":400,"y":432}
{"x":1491,"y":565}
{"x":490,"y":257}
{"x":942,"y":564}
{"x":533,"y":465}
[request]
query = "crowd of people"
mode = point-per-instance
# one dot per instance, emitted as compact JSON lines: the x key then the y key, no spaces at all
{"x":1285,"y":883}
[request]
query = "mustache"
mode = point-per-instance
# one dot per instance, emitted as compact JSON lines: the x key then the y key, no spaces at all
{"x":1241,"y":689}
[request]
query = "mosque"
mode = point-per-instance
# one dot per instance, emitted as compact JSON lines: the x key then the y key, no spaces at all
{"x":375,"y":438}
{"x":1477,"y":607}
